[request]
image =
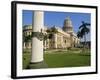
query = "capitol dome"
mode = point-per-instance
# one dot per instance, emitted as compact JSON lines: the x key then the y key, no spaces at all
{"x":68,"y":27}
{"x":68,"y":22}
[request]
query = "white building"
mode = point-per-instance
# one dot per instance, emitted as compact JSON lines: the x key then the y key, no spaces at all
{"x":64,"y":38}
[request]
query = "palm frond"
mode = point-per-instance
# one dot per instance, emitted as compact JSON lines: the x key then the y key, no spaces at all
{"x":80,"y":26}
{"x":87,"y":24}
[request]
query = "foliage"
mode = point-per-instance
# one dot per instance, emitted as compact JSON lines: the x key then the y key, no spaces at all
{"x":27,"y":38}
{"x":83,"y":30}
{"x":51,"y":31}
{"x":79,"y":35}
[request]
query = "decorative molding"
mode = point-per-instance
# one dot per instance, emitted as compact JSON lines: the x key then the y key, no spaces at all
{"x":38,"y":35}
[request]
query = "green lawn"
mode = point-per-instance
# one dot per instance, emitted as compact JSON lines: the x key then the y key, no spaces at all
{"x":62,"y":58}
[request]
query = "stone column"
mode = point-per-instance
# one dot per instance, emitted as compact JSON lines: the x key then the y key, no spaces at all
{"x":48,"y":43}
{"x":55,"y":40}
{"x":29,"y":45}
{"x":62,"y":42}
{"x":37,"y":44}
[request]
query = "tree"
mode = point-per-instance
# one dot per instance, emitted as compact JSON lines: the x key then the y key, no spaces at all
{"x":27,"y":39}
{"x":51,"y":32}
{"x":79,"y":35}
{"x":83,"y":31}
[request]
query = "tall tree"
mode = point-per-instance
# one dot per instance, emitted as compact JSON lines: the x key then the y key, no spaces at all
{"x":79,"y":35}
{"x":84,"y":30}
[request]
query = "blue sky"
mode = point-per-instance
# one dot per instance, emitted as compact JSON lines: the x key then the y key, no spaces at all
{"x":57,"y":18}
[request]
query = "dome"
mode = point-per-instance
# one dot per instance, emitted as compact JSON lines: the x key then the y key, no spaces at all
{"x":26,"y":27}
{"x":67,"y":27}
{"x":67,"y":22}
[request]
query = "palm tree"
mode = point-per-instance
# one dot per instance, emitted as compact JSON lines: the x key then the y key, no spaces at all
{"x":79,"y":34}
{"x":84,"y":30}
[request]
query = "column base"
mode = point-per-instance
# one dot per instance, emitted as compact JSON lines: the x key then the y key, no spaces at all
{"x":37,"y":65}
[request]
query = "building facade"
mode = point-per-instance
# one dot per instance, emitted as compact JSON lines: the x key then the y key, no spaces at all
{"x":64,"y":38}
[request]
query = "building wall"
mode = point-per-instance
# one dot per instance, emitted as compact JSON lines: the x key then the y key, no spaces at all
{"x":61,"y":40}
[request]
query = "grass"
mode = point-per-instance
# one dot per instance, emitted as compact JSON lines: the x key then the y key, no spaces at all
{"x":67,"y":60}
{"x":26,"y":59}
{"x":62,"y":58}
